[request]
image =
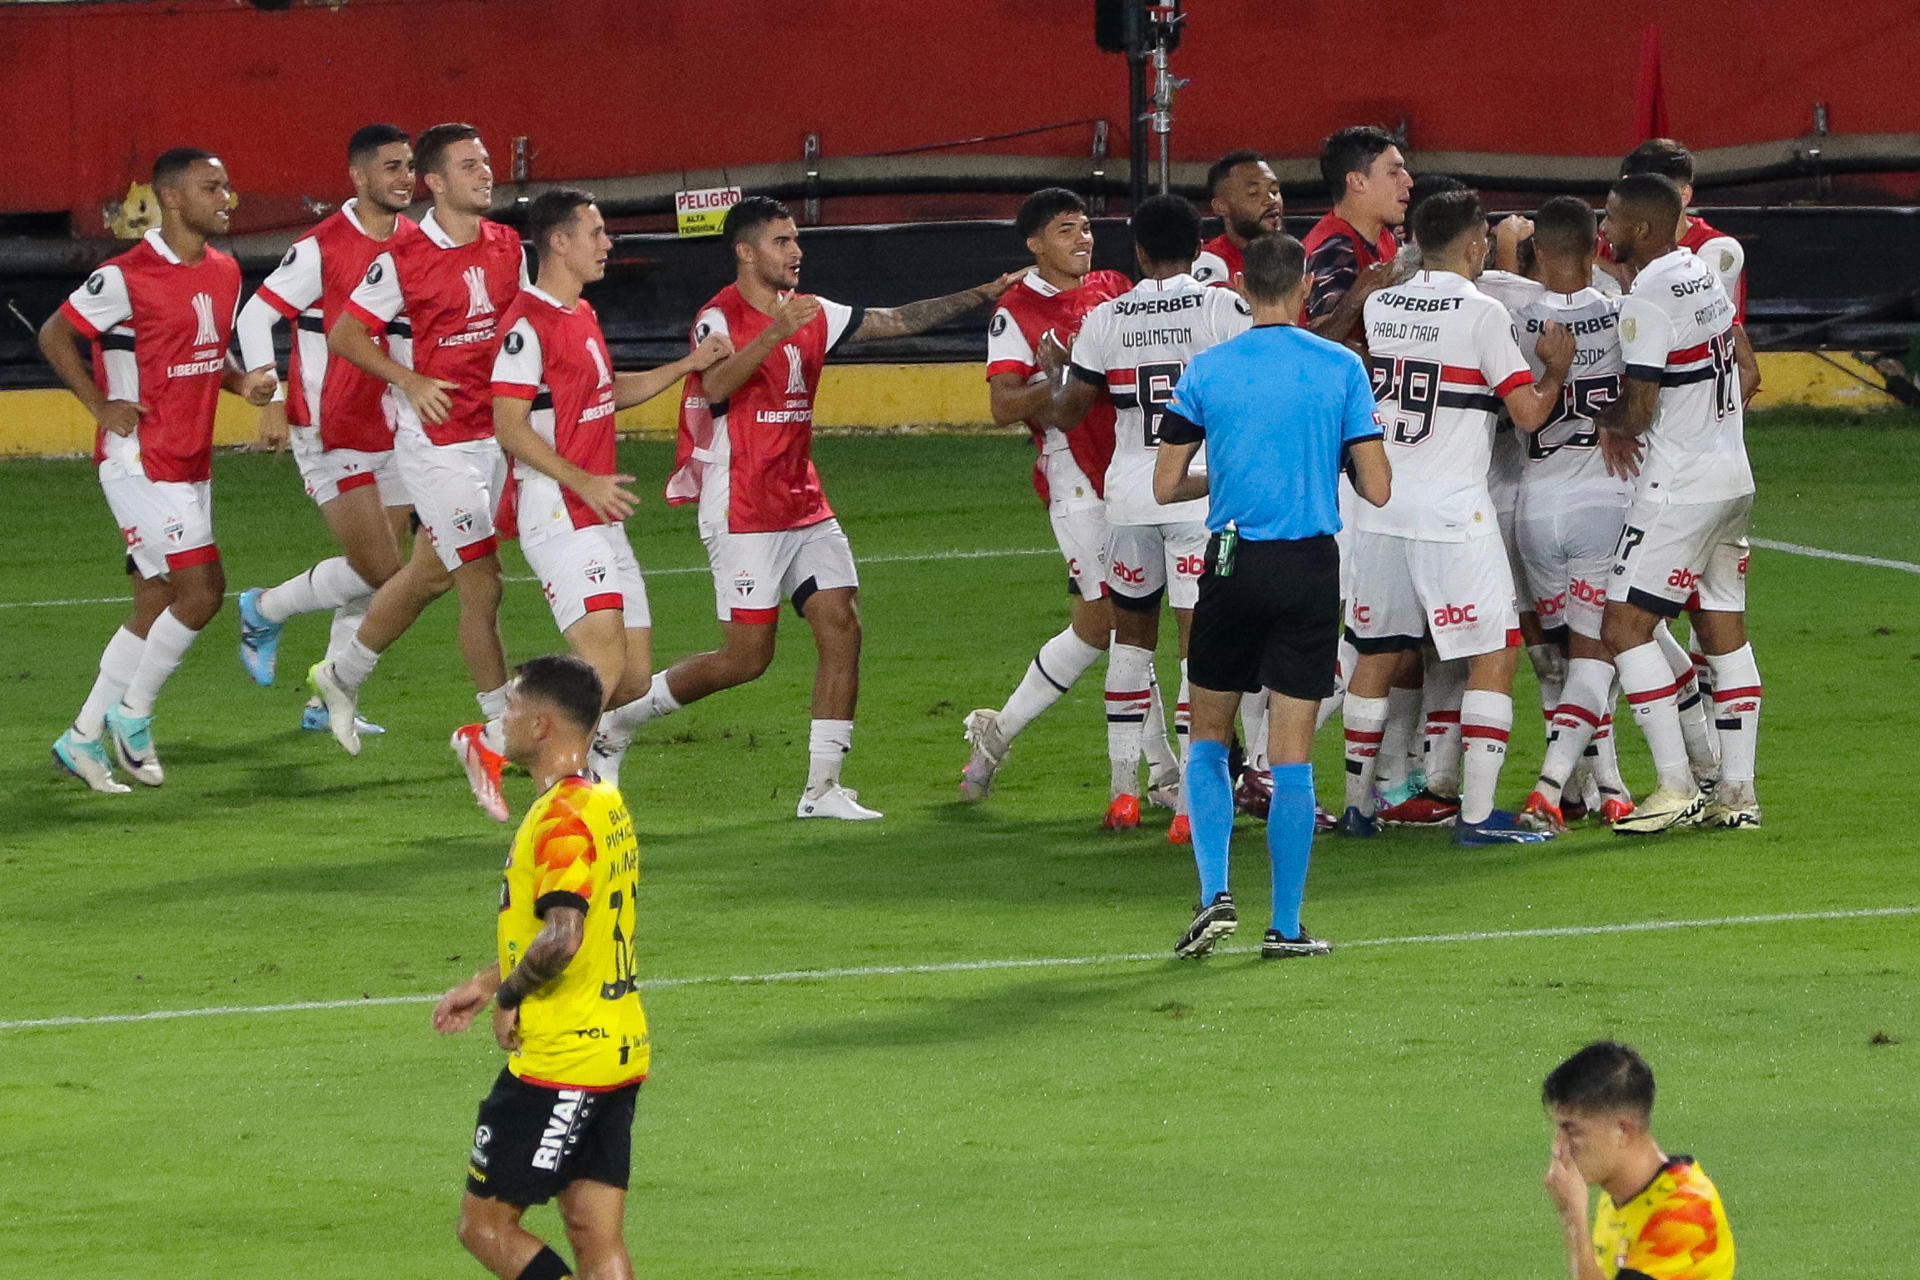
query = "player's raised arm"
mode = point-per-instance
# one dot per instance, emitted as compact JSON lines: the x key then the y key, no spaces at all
{"x":630,"y":389}
{"x":918,"y":317}
{"x":792,"y":314}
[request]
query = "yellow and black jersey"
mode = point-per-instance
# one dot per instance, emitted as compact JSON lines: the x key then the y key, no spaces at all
{"x":1676,"y":1229}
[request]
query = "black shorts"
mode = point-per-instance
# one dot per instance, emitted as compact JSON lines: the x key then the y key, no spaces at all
{"x":1274,"y":622}
{"x":531,"y":1141}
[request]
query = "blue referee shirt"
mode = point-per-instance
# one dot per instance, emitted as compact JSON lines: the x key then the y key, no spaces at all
{"x":1276,"y":407}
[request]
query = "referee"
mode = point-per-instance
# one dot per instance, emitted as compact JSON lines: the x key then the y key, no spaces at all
{"x":1276,"y":408}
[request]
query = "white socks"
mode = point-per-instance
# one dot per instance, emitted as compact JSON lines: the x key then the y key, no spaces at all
{"x":1648,"y":681}
{"x":1585,"y":700}
{"x":1396,"y":743}
{"x":1129,"y":693}
{"x":493,"y":706}
{"x":1486,"y":719}
{"x":1061,"y":661}
{"x":346,"y":624}
{"x":1364,"y":719}
{"x":327,"y":585}
{"x":353,"y":662}
{"x":1736,"y":710}
{"x":1253,"y":729}
{"x":828,"y":742}
{"x":118,"y":662}
{"x":168,"y":640}
{"x":1696,"y":730}
{"x":620,"y":723}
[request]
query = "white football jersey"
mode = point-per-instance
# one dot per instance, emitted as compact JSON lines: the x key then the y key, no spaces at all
{"x":1676,"y":328}
{"x":1441,"y":354}
{"x":1136,"y":346}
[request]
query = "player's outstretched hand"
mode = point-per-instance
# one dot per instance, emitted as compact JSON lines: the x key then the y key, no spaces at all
{"x":993,"y":290}
{"x":121,"y":416}
{"x":429,"y":397}
{"x":506,"y":1027}
{"x":257,"y":388}
{"x":456,"y":1008}
{"x":1555,"y":347}
{"x":1565,"y":1186}
{"x":795,"y":313}
{"x":1622,"y":453}
{"x":270,"y":434}
{"x":608,"y":500}
{"x":1378,"y":275}
{"x":712,"y":350}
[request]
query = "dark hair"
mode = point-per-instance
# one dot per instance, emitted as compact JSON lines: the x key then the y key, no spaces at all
{"x":552,"y":210}
{"x":1351,"y":150}
{"x":1444,"y":218}
{"x":1272,"y":266}
{"x":430,"y":151}
{"x":1663,"y":156}
{"x":751,"y":214}
{"x":1167,"y":229}
{"x":1604,"y":1076}
{"x":369,"y":138}
{"x":565,"y":681}
{"x":172,"y":165}
{"x":1427,"y":186}
{"x":1565,"y":224}
{"x":1038,"y":210}
{"x":1653,"y":195}
{"x":1227,"y":163}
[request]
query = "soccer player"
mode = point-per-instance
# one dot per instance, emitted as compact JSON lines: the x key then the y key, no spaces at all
{"x":745,"y":454}
{"x":554,"y":397}
{"x":1049,"y":303}
{"x":1685,"y":534}
{"x":1134,"y":348}
{"x":1658,"y":1216}
{"x":158,"y":318}
{"x":451,"y":278}
{"x":1443,"y":359}
{"x":566,"y":1000}
{"x":1276,"y":408}
{"x":1246,"y":198}
{"x":1350,"y":251}
{"x":339,"y":420}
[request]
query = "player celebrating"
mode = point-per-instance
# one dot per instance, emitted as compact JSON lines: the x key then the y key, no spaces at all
{"x":1443,"y":360}
{"x":559,"y":1121}
{"x":1367,"y":177}
{"x":452,"y":279}
{"x":1246,"y":199}
{"x":158,"y":317}
{"x":341,"y":428}
{"x":769,"y":532}
{"x":1135,"y":348}
{"x":1686,"y":532}
{"x":1658,"y":1217}
{"x":1069,"y":472}
{"x":554,"y":397}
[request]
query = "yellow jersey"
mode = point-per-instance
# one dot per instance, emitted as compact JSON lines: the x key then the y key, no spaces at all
{"x":585,"y":1029}
{"x":1676,"y":1229}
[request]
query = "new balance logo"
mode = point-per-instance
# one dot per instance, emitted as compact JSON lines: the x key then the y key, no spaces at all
{"x":796,"y":372}
{"x":206,"y":333}
{"x":478,"y":303}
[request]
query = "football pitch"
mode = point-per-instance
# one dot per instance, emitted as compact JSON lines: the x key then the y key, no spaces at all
{"x":954,"y":1042}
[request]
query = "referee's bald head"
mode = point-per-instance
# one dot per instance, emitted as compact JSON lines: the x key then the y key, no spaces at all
{"x":1272,"y":267}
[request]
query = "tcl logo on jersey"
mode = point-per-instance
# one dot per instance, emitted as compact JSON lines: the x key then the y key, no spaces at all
{"x":1190,"y":566}
{"x":1128,"y":574}
{"x":478,"y":303}
{"x":1683,"y":579}
{"x":1454,"y":615}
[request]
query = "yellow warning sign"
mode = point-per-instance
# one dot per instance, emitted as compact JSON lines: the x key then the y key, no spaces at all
{"x":704,"y":212}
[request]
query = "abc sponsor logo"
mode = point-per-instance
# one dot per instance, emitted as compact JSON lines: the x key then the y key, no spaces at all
{"x":1683,"y":579}
{"x":1190,"y":566}
{"x":1588,"y":592}
{"x":1455,"y":615}
{"x":1128,"y":574}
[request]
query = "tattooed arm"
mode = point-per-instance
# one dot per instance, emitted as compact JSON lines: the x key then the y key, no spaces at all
{"x":918,"y":317}
{"x":545,"y":960}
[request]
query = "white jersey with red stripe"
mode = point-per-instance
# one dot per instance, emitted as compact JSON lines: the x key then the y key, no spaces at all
{"x":1676,"y":328}
{"x":1219,"y":261}
{"x":1137,"y":346}
{"x":1441,"y":355}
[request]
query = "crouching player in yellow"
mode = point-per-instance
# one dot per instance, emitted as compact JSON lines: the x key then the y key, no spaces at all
{"x":559,"y":1121}
{"x":1659,"y":1217}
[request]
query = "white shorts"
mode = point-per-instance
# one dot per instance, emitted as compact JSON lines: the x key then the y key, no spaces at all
{"x":754,"y":572}
{"x":1567,"y":553}
{"x":1404,"y":588}
{"x":455,"y":488}
{"x":1343,"y":540}
{"x":1078,"y":515}
{"x":586,"y":570}
{"x":1145,"y":559}
{"x":328,"y":473}
{"x":1673,"y":556}
{"x":167,"y":524}
{"x":1510,"y":539}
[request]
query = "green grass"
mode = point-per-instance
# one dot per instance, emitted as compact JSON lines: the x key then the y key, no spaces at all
{"x":1367,"y":1115}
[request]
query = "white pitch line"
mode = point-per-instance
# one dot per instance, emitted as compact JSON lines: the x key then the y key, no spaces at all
{"x":983,"y":966}
{"x":1821,"y":553}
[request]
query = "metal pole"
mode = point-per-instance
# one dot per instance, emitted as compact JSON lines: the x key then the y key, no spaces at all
{"x":1137,"y":135}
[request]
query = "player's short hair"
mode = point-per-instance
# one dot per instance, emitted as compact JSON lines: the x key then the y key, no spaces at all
{"x":1227,"y":163}
{"x":552,"y":210}
{"x":751,"y":214}
{"x":1565,"y":224}
{"x":565,"y":681}
{"x":1606,"y":1076}
{"x":1167,"y":229}
{"x":1653,"y":196}
{"x":1271,"y":267}
{"x":369,"y":138}
{"x":1429,"y":185}
{"x":1444,"y":218}
{"x":430,"y":150}
{"x":1351,"y":150}
{"x":1663,"y":156}
{"x":1038,"y":210}
{"x":170,"y":166}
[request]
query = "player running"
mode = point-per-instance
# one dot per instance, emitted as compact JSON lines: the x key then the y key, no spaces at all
{"x":1134,"y":348}
{"x":1246,"y":198}
{"x":745,"y":454}
{"x":1443,"y":359}
{"x":566,"y":997}
{"x":1686,"y":532}
{"x":451,"y":278}
{"x":338,"y":418}
{"x":554,"y":398}
{"x":158,"y":318}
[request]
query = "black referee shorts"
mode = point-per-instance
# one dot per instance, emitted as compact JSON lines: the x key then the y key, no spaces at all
{"x":1274,"y":622}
